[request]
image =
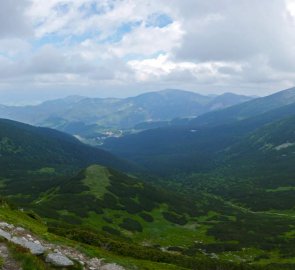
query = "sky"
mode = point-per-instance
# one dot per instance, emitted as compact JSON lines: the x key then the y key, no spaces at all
{"x":103,"y":48}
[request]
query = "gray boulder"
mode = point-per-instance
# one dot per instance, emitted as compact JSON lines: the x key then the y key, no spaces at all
{"x":58,"y":260}
{"x":36,"y":249}
{"x":5,"y":225}
{"x":111,"y":266}
{"x":5,"y":234}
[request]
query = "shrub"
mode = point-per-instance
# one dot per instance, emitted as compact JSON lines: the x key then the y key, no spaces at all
{"x":131,"y":225}
{"x":146,"y":217}
{"x":111,"y":230}
{"x":174,"y":218}
{"x":152,"y":254}
{"x":110,"y":201}
{"x":130,"y":205}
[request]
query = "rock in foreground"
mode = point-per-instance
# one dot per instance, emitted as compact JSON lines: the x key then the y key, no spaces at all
{"x":35,"y":249}
{"x":59,"y":260}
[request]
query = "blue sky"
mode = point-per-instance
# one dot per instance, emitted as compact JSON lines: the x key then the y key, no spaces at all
{"x":54,"y":48}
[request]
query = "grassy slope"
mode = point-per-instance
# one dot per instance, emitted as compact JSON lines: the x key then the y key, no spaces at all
{"x":214,"y":226}
{"x":25,"y":148}
{"x":241,"y":162}
{"x":97,"y":180}
{"x":39,"y":228}
{"x":258,"y":171}
{"x":109,"y":198}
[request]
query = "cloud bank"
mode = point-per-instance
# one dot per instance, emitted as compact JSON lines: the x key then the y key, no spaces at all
{"x":124,"y":47}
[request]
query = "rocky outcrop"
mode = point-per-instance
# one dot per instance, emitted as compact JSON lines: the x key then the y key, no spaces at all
{"x":5,"y":235}
{"x":35,"y":249}
{"x":111,"y":266}
{"x":58,"y":260}
{"x":56,"y":255}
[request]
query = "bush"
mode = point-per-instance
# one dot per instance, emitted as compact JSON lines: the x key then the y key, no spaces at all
{"x":131,"y":225}
{"x":110,"y":201}
{"x":130,"y":205}
{"x":111,"y":230}
{"x":174,"y":218}
{"x":146,"y":217}
{"x":71,"y":219}
{"x":151,"y":254}
{"x":107,"y":219}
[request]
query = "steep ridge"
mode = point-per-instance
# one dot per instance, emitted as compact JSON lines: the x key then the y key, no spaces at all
{"x":28,"y":149}
{"x":246,"y":110}
{"x":261,"y":167}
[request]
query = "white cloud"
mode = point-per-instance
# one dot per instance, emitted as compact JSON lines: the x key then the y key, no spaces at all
{"x":13,"y":21}
{"x":162,"y":68}
{"x":13,"y":47}
{"x":102,"y":17}
{"x":222,"y":45}
{"x":147,"y":41}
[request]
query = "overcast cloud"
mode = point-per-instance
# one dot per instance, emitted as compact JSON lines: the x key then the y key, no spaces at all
{"x":54,"y":48}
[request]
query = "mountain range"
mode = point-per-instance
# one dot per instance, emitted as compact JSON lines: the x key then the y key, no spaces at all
{"x":42,"y":171}
{"x":214,"y":191}
{"x":246,"y":156}
{"x":208,"y":131}
{"x":89,"y":118}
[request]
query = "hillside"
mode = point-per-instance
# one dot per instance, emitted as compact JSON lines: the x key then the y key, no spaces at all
{"x":28,"y":149}
{"x":35,"y":233}
{"x":256,"y":170}
{"x":221,"y":187}
{"x":107,"y":200}
{"x":262,"y":163}
{"x":127,"y":217}
{"x":248,"y":161}
{"x":124,"y":216}
{"x":188,"y":148}
{"x":246,"y":110}
{"x":34,"y":176}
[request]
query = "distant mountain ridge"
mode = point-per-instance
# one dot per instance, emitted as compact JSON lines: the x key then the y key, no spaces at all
{"x":246,"y":110}
{"x":120,"y":113}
